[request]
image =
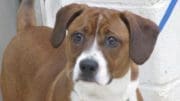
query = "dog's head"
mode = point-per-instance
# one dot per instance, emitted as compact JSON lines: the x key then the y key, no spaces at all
{"x":101,"y":43}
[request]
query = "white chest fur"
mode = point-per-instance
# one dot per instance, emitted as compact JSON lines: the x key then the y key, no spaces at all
{"x":118,"y":90}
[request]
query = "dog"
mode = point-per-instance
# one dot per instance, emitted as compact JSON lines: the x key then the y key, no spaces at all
{"x":92,"y":54}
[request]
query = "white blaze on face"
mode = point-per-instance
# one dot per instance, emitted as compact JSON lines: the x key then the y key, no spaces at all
{"x":94,"y":53}
{"x":102,"y":77}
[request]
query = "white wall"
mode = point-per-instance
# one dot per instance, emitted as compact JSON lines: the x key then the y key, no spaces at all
{"x":160,"y":75}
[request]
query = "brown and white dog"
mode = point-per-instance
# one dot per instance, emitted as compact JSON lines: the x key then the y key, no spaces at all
{"x":90,"y":55}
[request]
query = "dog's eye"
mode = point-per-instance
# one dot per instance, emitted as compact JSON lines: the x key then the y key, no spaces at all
{"x":111,"y":42}
{"x":77,"y":37}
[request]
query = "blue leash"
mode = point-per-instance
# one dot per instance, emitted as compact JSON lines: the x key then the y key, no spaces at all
{"x":167,"y":14}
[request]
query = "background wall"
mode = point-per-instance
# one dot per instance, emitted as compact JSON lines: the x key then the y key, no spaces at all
{"x":159,"y":76}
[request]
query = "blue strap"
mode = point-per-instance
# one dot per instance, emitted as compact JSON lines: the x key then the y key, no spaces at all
{"x":167,"y":14}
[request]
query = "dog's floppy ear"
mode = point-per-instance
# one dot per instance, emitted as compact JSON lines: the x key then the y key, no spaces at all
{"x":64,"y":18}
{"x":143,"y":36}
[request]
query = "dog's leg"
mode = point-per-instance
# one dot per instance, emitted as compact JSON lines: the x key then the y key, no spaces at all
{"x":139,"y":96}
{"x":134,"y":83}
{"x":60,"y":88}
{"x":26,"y":15}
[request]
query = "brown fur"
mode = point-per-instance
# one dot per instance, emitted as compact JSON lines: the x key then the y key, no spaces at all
{"x":29,"y":70}
{"x":139,"y":96}
{"x":26,"y":19}
{"x":33,"y":70}
{"x":134,"y":71}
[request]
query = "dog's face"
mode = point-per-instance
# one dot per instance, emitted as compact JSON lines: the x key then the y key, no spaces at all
{"x":101,"y":43}
{"x":98,"y":46}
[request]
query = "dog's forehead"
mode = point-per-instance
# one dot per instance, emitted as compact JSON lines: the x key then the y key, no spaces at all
{"x":94,"y":13}
{"x":94,"y":18}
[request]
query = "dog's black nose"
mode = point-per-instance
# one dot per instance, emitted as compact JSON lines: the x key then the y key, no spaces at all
{"x":88,"y":67}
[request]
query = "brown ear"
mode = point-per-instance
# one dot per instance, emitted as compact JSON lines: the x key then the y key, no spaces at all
{"x":64,"y":18}
{"x":143,"y":36}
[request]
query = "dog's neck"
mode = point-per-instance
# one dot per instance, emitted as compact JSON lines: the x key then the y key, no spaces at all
{"x":122,"y":89}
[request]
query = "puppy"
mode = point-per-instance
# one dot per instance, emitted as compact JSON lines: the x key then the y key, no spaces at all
{"x":91,"y":55}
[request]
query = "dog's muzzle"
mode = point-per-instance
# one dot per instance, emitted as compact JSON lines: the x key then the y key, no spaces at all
{"x":89,"y":69}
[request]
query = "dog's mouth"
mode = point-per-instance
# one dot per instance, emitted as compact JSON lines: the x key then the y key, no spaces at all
{"x":86,"y":78}
{"x":92,"y":80}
